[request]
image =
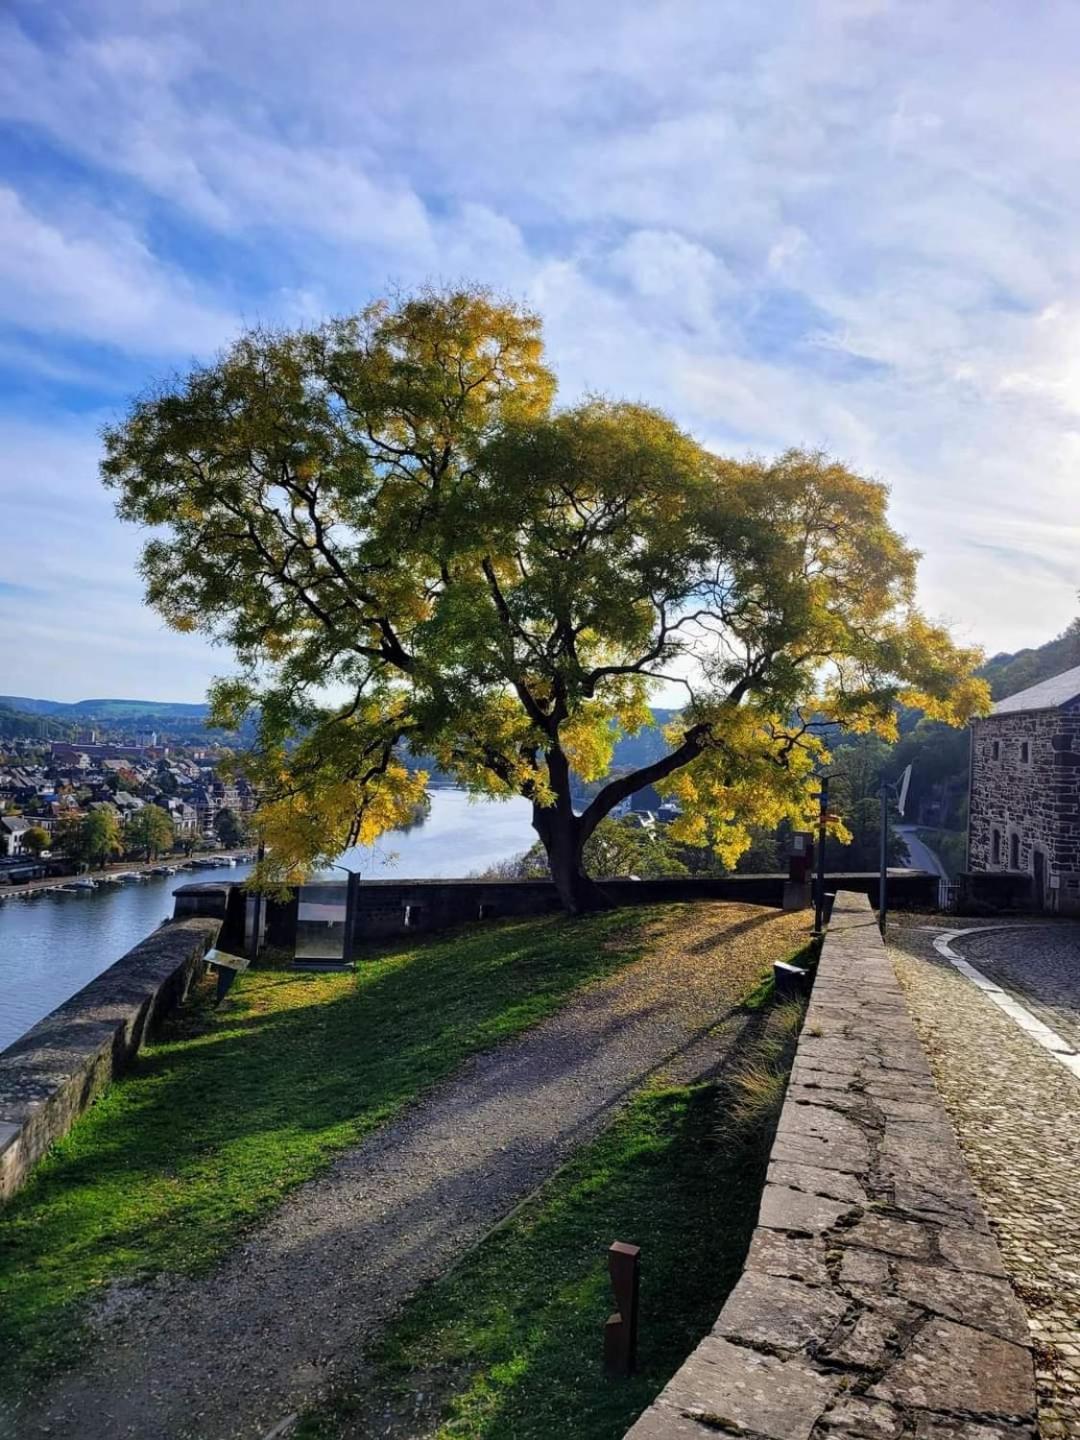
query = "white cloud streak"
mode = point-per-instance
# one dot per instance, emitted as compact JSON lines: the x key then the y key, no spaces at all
{"x":847,"y":224}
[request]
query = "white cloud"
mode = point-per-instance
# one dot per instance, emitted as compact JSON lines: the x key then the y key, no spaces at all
{"x":683,"y":277}
{"x":92,"y":277}
{"x":846,"y":224}
{"x":72,"y":623}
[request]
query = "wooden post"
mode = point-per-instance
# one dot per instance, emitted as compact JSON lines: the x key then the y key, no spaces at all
{"x":620,"y":1332}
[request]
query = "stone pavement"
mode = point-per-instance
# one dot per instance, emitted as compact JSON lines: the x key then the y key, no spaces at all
{"x":1017,"y":1113}
{"x":874,"y":1301}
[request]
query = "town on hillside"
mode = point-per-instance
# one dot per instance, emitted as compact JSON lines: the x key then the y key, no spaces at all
{"x":108,"y":794}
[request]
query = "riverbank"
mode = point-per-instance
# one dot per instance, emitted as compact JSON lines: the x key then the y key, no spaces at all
{"x":126,"y":867}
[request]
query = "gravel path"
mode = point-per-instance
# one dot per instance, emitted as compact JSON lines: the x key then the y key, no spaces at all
{"x":231,"y":1355}
{"x":1017,"y":1113}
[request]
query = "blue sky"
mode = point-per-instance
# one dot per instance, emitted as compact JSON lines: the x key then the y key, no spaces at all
{"x":849,"y":224}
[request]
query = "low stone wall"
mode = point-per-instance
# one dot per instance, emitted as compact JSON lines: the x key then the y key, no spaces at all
{"x":386,"y":909}
{"x":874,"y":1302}
{"x":53,"y":1072}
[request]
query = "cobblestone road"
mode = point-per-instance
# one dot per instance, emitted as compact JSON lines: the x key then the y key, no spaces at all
{"x":1017,"y":1113}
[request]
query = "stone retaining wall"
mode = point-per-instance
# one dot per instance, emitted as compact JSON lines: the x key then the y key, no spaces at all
{"x":873,"y":1302}
{"x":432,"y":905}
{"x":53,"y":1072}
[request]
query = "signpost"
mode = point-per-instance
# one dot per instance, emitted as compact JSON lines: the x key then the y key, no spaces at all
{"x":620,"y":1332}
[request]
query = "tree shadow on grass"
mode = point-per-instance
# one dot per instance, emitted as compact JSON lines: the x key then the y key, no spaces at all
{"x":229,"y":1110}
{"x":508,"y":1345}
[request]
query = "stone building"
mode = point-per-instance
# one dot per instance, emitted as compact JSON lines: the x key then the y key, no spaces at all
{"x":1025,"y":791}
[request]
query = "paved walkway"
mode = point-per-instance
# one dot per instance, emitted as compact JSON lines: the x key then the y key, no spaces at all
{"x":1017,"y":1112}
{"x":233,"y":1354}
{"x":920,"y":856}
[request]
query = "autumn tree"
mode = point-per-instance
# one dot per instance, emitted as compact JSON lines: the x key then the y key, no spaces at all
{"x":36,"y":839}
{"x":90,"y":839}
{"x":391,"y":509}
{"x":148,"y":831}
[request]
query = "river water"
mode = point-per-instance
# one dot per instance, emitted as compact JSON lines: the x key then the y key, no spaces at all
{"x":51,"y":945}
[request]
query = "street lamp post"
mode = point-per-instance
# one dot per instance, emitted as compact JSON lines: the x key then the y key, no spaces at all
{"x":822,"y":798}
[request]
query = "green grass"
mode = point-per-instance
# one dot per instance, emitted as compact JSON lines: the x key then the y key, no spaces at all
{"x":508,"y":1345}
{"x":231,"y":1108}
{"x":806,"y":957}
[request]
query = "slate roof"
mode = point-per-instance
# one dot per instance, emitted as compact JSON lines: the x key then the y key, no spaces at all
{"x":1049,"y":694}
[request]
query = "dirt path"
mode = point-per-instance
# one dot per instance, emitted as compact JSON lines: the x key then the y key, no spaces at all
{"x":231,"y":1355}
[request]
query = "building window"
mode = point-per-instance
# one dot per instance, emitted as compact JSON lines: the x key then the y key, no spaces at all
{"x":995,"y":750}
{"x":1025,"y":752}
{"x":995,"y":848}
{"x":1014,"y":852}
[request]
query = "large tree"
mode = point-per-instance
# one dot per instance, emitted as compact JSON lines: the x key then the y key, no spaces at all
{"x":90,"y":839}
{"x":148,"y":831}
{"x":408,"y":547}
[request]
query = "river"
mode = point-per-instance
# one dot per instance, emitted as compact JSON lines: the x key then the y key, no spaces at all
{"x":51,"y":945}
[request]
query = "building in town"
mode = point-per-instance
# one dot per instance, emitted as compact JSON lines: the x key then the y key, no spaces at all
{"x":12,"y":830}
{"x":1024,"y":816}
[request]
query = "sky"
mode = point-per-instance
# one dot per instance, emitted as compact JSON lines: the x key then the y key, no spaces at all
{"x":848,"y":224}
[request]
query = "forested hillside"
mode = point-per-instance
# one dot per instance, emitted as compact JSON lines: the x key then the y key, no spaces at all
{"x":1009,"y":673}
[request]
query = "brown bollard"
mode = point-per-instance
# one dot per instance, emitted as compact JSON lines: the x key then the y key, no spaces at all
{"x":620,"y":1332}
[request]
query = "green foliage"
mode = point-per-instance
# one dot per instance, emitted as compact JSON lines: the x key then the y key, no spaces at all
{"x":148,"y":831}
{"x":91,"y":839}
{"x":36,"y":839}
{"x":1008,"y":674}
{"x":390,"y":505}
{"x":858,"y":768}
{"x":161,"y":1175}
{"x":508,"y":1345}
{"x":950,"y":846}
{"x":616,"y":848}
{"x":229,"y":828}
{"x":17,"y":724}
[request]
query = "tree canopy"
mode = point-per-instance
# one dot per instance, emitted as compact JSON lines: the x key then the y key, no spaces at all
{"x":408,"y":546}
{"x":90,"y":839}
{"x":149,"y":831}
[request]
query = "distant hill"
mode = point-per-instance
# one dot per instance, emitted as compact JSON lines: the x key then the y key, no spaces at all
{"x":104,"y":709}
{"x":1009,"y":674}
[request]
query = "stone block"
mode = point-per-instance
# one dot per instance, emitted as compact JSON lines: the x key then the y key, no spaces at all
{"x":835,"y":1184}
{"x":985,"y":1302}
{"x":953,"y":1368}
{"x":661,"y":1422}
{"x":865,"y":1344}
{"x":769,"y":1310}
{"x":872,"y":1419}
{"x":51,"y":1074}
{"x":864,"y":1267}
{"x":730,"y":1387}
{"x":774,"y":1253}
{"x":892,"y":1236}
{"x":798,"y":1212}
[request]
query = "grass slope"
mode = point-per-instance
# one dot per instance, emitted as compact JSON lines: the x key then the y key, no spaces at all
{"x":232,"y":1108}
{"x":508,"y":1345}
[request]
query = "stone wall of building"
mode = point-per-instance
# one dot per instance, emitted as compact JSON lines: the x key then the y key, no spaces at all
{"x":51,"y":1074}
{"x":1037,"y":800}
{"x":874,"y":1302}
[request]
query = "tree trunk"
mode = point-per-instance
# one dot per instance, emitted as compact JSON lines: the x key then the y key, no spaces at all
{"x":563,"y":837}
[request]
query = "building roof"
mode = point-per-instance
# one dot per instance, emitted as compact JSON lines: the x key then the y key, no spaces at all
{"x":1049,"y":694}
